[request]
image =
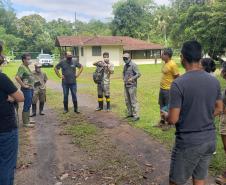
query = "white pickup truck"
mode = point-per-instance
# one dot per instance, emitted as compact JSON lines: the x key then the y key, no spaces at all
{"x":45,"y":60}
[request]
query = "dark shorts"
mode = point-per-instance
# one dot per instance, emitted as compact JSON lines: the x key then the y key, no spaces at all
{"x":163,"y":98}
{"x":191,"y":162}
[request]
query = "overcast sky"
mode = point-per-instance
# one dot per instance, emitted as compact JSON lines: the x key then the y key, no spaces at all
{"x":54,"y":9}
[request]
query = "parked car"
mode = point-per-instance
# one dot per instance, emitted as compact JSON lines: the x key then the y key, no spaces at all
{"x":45,"y":60}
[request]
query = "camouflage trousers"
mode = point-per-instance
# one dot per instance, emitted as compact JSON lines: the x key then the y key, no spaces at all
{"x":131,"y":101}
{"x":39,"y":95}
{"x":223,"y":125}
{"x":103,"y":90}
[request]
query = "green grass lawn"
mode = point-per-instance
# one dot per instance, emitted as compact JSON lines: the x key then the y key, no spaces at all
{"x":148,"y":89}
{"x":11,"y":69}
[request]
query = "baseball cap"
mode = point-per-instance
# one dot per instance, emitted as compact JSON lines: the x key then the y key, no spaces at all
{"x":38,"y":64}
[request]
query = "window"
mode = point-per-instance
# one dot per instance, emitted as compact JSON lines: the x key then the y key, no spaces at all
{"x":139,"y":54}
{"x":96,"y":50}
{"x":82,"y":51}
{"x":156,"y":53}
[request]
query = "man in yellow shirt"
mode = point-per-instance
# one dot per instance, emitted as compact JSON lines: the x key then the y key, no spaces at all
{"x":169,"y":73}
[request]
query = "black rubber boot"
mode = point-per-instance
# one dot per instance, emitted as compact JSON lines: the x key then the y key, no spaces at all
{"x":108,"y":106}
{"x":65,"y":107}
{"x":100,"y":103}
{"x":76,"y":107}
{"x":41,"y":107}
{"x":108,"y":103}
{"x":101,"y":106}
{"x":34,"y":107}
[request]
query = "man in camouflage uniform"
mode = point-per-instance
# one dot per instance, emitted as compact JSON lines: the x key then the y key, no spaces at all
{"x":39,"y":90}
{"x":103,"y":88}
{"x":130,"y":76}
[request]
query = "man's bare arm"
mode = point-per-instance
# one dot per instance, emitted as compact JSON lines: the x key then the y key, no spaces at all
{"x":173,"y":116}
{"x":80,"y":71}
{"x":218,"y":108}
{"x":57,"y":72}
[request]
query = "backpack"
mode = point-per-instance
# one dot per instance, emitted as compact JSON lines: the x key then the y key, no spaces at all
{"x":98,"y":75}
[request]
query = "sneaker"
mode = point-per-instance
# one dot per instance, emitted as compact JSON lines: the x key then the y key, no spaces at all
{"x":221,"y":180}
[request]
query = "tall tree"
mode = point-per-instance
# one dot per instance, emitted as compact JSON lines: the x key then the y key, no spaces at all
{"x":59,"y":27}
{"x":29,"y":28}
{"x":206,"y":23}
{"x":7,"y":17}
{"x":129,"y":20}
{"x":10,"y":41}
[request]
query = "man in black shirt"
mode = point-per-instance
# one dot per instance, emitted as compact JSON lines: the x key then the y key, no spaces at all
{"x":8,"y":127}
{"x":68,"y":67}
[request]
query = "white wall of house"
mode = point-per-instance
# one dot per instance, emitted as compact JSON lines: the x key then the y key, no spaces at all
{"x":147,"y":61}
{"x":116,"y":53}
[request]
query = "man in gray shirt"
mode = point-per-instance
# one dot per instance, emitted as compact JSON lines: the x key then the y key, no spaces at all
{"x":130,"y":76}
{"x":195,"y":98}
{"x":69,"y":76}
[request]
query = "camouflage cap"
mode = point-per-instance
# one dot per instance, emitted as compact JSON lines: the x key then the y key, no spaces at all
{"x":126,"y":55}
{"x":38,"y":64}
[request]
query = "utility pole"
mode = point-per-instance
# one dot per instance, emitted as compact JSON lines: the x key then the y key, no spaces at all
{"x":75,"y":27}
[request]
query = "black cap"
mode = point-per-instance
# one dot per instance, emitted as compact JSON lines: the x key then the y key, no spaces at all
{"x":168,"y":51}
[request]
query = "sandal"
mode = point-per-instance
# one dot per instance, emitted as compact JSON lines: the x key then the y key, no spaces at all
{"x":221,"y":180}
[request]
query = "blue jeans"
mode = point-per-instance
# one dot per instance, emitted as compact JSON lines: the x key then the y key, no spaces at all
{"x":8,"y":156}
{"x":72,"y":88}
{"x":28,"y":95}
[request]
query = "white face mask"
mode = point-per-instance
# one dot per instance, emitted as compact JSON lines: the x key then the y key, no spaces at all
{"x":106,"y":60}
{"x":29,"y":62}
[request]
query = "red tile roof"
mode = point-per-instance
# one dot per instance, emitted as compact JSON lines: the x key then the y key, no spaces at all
{"x":128,"y":43}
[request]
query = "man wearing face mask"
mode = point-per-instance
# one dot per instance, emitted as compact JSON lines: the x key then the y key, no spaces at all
{"x":103,"y":88}
{"x":26,"y":80}
{"x":130,"y":76}
{"x":39,"y":90}
{"x":69,"y":76}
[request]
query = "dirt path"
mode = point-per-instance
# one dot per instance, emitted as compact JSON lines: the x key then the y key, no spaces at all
{"x":55,"y":156}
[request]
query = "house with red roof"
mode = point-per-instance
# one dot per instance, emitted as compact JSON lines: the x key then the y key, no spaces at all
{"x":90,"y":49}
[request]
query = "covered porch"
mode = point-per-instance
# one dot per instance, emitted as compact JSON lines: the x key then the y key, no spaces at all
{"x":149,"y":56}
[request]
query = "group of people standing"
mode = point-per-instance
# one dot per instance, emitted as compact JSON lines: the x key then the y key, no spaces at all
{"x":190,"y":102}
{"x":32,"y":85}
{"x":104,"y":69}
